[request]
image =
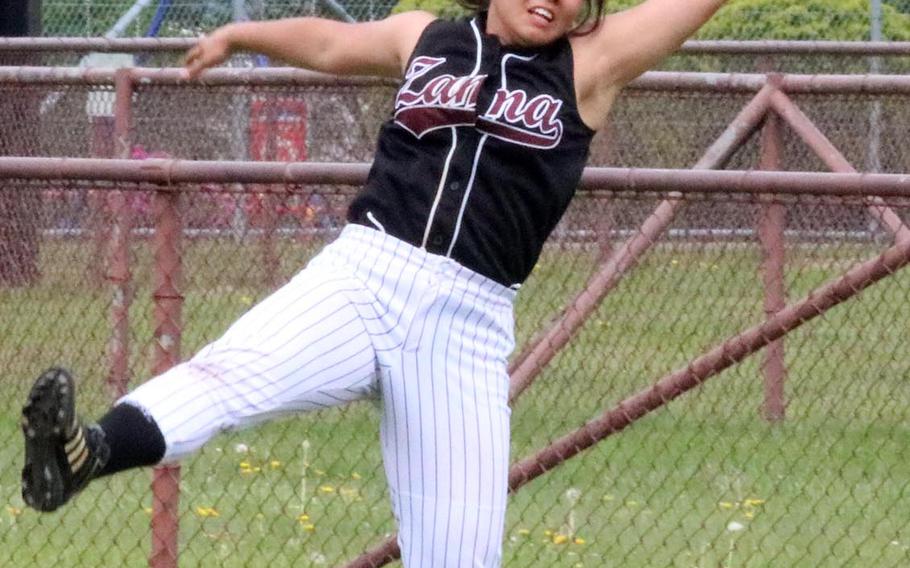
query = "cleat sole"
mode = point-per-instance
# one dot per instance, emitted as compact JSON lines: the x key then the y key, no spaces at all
{"x":42,"y":417}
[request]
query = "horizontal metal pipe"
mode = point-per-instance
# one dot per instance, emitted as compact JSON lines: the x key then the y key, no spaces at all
{"x":219,"y":76}
{"x":84,"y":45}
{"x":749,"y":182}
{"x":785,"y":47}
{"x":165,"y":172}
{"x":287,"y":76}
{"x":790,"y":83}
{"x":694,"y":47}
{"x":271,"y":76}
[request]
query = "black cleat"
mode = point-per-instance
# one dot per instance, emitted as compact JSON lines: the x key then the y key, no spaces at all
{"x":61,"y":454}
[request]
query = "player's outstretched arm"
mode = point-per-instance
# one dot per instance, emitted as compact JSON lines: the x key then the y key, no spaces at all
{"x":627,"y":44}
{"x":630,"y":42}
{"x":379,"y":48}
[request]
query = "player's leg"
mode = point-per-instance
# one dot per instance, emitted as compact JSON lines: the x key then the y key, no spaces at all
{"x":302,"y":348}
{"x":445,"y":433}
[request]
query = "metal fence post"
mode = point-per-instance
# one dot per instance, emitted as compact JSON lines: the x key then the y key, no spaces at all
{"x":603,"y":218}
{"x":268,"y":214}
{"x":168,"y":304}
{"x":270,"y":260}
{"x":101,"y":110}
{"x":771,"y":236}
{"x":118,"y":274}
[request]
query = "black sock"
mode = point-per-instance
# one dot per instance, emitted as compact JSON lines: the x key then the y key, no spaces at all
{"x":133,"y":437}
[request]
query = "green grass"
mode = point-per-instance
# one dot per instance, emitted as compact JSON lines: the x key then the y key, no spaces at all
{"x":828,"y":486}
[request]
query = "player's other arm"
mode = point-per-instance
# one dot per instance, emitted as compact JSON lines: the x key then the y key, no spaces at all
{"x":630,"y":42}
{"x":380,"y":48}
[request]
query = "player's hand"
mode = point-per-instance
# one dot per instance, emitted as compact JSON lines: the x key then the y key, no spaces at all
{"x":210,"y":51}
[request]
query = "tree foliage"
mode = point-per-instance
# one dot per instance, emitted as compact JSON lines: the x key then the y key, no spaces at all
{"x":763,"y":19}
{"x":847,"y":20}
{"x":442,"y":8}
{"x":740,"y":19}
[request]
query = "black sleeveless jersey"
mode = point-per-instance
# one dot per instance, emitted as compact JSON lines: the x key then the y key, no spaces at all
{"x":483,"y":152}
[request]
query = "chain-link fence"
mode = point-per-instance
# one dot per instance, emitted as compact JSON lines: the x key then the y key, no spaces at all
{"x":792,"y":457}
{"x":854,"y":20}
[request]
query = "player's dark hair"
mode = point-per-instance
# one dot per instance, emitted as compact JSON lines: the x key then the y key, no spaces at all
{"x":591,"y":14}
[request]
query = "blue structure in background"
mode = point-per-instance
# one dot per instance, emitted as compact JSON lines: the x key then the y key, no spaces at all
{"x":158,"y":18}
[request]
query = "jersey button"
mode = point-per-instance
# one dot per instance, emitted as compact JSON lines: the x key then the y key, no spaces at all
{"x":454,"y":186}
{"x":437,"y":240}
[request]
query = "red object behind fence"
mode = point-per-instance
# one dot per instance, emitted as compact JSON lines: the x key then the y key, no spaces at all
{"x":278,"y":129}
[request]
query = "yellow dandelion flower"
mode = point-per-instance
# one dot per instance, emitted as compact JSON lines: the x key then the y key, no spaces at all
{"x":13,"y":511}
{"x":753,"y":502}
{"x":327,"y":489}
{"x":148,"y":510}
{"x":303,"y":518}
{"x":275,"y":464}
{"x":246,"y":300}
{"x":348,"y":493}
{"x":749,"y":515}
{"x":726,"y":505}
{"x":245,"y":465}
{"x":356,"y":475}
{"x":524,"y":532}
{"x":207,"y":512}
{"x":309,"y":527}
{"x":560,"y":539}
{"x":548,"y":532}
{"x":579,"y":540}
{"x":674,"y":262}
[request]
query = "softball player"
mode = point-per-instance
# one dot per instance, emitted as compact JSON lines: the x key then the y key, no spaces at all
{"x":413,"y":302}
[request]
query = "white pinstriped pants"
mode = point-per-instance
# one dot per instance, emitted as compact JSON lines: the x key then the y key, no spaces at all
{"x":372,"y":315}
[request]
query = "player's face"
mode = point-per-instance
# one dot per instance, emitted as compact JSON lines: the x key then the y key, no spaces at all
{"x":532,"y":22}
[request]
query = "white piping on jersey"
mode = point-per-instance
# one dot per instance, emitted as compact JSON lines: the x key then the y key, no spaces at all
{"x":375,"y":221}
{"x":445,"y":169}
{"x":467,"y":193}
{"x":479,"y":44}
{"x":505,"y":58}
{"x":442,"y":181}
